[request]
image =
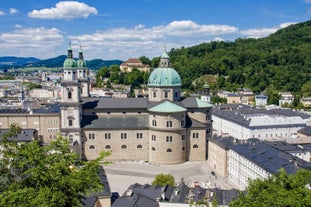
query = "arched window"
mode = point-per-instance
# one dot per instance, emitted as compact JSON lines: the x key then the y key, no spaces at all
{"x":91,"y":147}
{"x":153,"y":149}
{"x":169,"y":124}
{"x":169,"y":150}
{"x":139,"y":146}
{"x":69,"y":95}
{"x":154,"y":123}
{"x":195,"y":146}
{"x":107,"y":147}
{"x":123,"y":147}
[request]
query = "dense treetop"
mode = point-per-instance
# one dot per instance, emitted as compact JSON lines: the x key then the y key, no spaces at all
{"x":280,"y":61}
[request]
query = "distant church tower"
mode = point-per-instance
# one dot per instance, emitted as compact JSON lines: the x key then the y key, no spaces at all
{"x":74,"y":85}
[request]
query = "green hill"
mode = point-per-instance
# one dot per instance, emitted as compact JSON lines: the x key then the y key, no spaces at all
{"x":279,"y":62}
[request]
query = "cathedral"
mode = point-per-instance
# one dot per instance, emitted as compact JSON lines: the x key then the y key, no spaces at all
{"x":163,"y":128}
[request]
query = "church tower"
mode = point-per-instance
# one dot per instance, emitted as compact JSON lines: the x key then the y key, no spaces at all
{"x":71,"y":109}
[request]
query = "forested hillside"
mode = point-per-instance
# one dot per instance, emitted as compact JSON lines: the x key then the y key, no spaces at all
{"x":279,"y":62}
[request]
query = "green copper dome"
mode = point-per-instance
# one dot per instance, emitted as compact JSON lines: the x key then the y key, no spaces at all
{"x":81,"y":63}
{"x":164,"y":75}
{"x":70,"y":63}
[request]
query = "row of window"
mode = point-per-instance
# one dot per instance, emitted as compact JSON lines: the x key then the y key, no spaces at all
{"x":108,"y":147}
{"x":195,"y":135}
{"x":165,"y":94}
{"x":51,"y":130}
{"x":169,"y":124}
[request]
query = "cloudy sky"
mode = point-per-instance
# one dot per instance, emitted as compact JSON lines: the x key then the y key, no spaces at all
{"x":121,"y":29}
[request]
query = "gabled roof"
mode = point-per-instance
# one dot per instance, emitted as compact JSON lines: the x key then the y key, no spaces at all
{"x":167,"y":107}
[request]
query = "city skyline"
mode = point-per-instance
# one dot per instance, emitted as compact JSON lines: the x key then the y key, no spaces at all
{"x":124,"y":29}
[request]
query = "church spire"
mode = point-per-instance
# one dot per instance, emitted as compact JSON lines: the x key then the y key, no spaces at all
{"x":165,"y":60}
{"x":69,"y":51}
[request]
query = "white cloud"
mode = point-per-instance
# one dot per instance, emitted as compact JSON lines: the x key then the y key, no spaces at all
{"x":65,"y":10}
{"x":18,"y":26}
{"x":121,"y":43}
{"x":308,"y":1}
{"x":37,"y":42}
{"x":263,"y":32}
{"x":139,"y":40}
{"x":2,"y":13}
{"x":13,"y":11}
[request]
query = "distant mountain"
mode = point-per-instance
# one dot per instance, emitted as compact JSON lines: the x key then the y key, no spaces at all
{"x":56,"y":62}
{"x":15,"y":62}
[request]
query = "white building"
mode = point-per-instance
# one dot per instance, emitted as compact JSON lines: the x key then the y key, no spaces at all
{"x":243,"y":122}
{"x":257,"y":160}
{"x":261,"y":100}
{"x":286,"y":98}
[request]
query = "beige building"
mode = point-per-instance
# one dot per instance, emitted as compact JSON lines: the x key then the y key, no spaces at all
{"x":218,"y":148}
{"x":45,"y":120}
{"x":163,"y":128}
{"x":132,"y":63}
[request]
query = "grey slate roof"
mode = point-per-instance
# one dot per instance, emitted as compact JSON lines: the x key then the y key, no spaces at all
{"x":236,"y":113}
{"x":134,"y":201}
{"x":50,"y":109}
{"x":26,"y":135}
{"x":270,"y":158}
{"x":114,"y":122}
{"x":284,"y":146}
{"x":224,"y":142}
{"x":132,"y":103}
{"x":306,"y":131}
{"x":114,"y":103}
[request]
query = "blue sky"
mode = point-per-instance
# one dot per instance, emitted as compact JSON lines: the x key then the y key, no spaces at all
{"x":121,"y":29}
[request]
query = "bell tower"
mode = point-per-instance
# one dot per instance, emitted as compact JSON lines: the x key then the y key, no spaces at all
{"x":71,"y":109}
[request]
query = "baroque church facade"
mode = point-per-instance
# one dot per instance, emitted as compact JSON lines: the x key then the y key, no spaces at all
{"x":163,"y":128}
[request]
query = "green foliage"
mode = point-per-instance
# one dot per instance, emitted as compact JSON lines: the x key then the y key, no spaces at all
{"x":31,"y":85}
{"x":34,"y":175}
{"x":164,"y":179}
{"x":145,"y":60}
{"x":280,"y":60}
{"x":278,"y":190}
{"x":7,"y":77}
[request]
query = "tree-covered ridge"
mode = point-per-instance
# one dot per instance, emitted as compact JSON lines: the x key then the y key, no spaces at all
{"x":280,"y":61}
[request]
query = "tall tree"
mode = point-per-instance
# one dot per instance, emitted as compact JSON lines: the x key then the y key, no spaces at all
{"x":34,"y":175}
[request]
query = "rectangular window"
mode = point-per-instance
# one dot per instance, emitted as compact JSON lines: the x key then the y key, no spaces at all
{"x":169,"y":139}
{"x":165,"y":94}
{"x":169,"y":124}
{"x":139,"y":135}
{"x":183,"y":137}
{"x":123,"y":135}
{"x":107,"y":135}
{"x":91,"y":136}
{"x":70,"y":122}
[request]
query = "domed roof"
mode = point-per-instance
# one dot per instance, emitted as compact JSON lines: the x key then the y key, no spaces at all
{"x":81,"y":63}
{"x":164,"y":75}
{"x":70,"y":63}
